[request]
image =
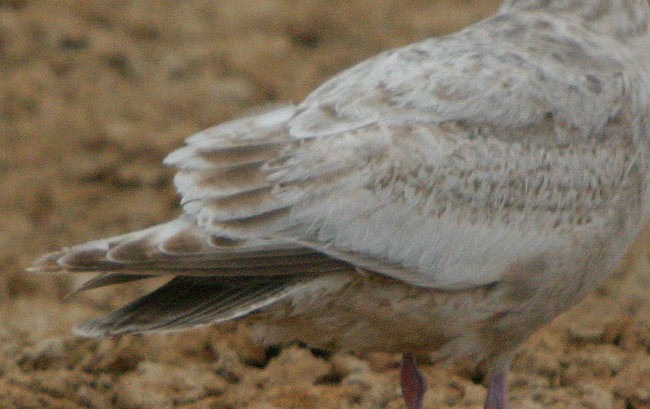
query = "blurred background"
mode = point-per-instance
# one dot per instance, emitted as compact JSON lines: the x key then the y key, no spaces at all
{"x":94,"y":93}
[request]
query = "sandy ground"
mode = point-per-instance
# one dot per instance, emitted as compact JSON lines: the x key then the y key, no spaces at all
{"x":94,"y":93}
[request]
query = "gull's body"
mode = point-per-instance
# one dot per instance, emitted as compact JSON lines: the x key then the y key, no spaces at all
{"x":452,"y":196}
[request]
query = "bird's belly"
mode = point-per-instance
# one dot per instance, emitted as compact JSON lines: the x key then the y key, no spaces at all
{"x":374,"y":313}
{"x":370,"y":312}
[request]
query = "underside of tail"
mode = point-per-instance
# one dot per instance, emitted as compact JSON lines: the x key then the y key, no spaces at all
{"x":187,"y":302}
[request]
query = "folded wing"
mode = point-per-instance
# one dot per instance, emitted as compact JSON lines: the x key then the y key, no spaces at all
{"x":440,"y":164}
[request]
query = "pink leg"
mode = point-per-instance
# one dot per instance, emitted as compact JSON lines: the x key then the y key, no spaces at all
{"x":497,"y":393}
{"x":413,"y":382}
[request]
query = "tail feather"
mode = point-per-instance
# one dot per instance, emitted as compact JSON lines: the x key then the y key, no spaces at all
{"x":186,"y":302}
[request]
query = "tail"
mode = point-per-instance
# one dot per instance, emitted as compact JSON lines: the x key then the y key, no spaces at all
{"x":187,"y":302}
{"x":214,"y":279}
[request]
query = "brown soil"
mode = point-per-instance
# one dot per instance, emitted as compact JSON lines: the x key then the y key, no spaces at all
{"x":94,"y":93}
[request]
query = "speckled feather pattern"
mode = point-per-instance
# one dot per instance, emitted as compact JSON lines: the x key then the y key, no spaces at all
{"x":451,"y":195}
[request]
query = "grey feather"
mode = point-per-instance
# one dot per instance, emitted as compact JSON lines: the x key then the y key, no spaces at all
{"x":106,"y":279}
{"x":186,"y":302}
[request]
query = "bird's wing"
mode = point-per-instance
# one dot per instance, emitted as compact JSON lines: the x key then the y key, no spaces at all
{"x":510,"y":71}
{"x":441,"y":164}
{"x":181,"y":248}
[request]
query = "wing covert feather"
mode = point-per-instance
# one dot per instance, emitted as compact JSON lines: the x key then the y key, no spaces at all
{"x":482,"y":74}
{"x":438,"y":205}
{"x":435,"y":163}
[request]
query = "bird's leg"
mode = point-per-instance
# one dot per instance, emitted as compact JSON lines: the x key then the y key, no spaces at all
{"x":497,"y":393}
{"x":413,"y":382}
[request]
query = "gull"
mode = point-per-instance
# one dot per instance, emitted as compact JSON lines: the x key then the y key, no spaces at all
{"x":451,"y":196}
